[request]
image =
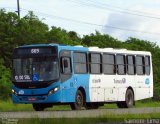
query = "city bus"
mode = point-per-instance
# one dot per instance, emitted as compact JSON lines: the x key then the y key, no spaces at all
{"x":83,"y":77}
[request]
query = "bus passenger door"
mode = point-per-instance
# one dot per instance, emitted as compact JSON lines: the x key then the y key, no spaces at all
{"x":66,"y":76}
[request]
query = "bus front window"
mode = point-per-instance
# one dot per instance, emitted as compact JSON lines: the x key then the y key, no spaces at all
{"x":35,"y":69}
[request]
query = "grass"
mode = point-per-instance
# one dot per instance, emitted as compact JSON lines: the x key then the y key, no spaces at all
{"x":9,"y":106}
{"x":108,"y":118}
{"x":139,"y":104}
{"x":146,"y":103}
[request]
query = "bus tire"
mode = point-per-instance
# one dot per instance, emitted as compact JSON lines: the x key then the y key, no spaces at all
{"x":79,"y":101}
{"x":38,"y":107}
{"x":129,"y":99}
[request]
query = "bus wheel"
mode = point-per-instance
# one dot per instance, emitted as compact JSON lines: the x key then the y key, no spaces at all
{"x":92,"y":106}
{"x":129,"y":99}
{"x":79,"y":101}
{"x":38,"y":107}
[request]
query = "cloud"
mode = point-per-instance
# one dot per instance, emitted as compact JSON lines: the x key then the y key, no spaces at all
{"x":130,"y":22}
{"x":75,"y":11}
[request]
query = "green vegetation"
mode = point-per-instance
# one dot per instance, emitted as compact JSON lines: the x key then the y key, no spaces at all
{"x":9,"y":106}
{"x":31,"y":30}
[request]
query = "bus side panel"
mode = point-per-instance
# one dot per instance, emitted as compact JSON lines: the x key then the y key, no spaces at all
{"x":96,"y":91}
{"x":110,"y":88}
{"x":125,"y":82}
{"x":70,"y":87}
{"x":102,"y":88}
{"x":121,"y":94}
{"x":144,"y":87}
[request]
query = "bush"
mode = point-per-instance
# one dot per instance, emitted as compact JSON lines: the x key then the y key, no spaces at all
{"x":5,"y":81}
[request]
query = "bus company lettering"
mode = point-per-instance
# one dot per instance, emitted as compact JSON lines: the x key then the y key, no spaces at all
{"x":122,"y":81}
{"x":96,"y":81}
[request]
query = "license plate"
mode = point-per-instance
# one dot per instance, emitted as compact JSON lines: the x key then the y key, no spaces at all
{"x":31,"y":99}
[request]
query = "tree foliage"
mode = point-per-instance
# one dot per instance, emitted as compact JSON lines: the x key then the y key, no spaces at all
{"x":31,"y":30}
{"x":101,"y":41}
{"x":5,"y":81}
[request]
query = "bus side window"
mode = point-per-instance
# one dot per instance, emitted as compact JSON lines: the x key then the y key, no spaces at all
{"x":109,"y":66}
{"x":66,"y":65}
{"x":121,"y":64}
{"x":147,"y":65}
{"x":130,"y":64}
{"x":95,"y":63}
{"x":140,"y":65}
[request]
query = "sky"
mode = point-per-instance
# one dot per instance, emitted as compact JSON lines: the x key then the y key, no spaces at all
{"x":119,"y":18}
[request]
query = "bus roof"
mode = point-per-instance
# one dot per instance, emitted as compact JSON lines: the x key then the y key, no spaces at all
{"x":118,"y":51}
{"x":92,"y":49}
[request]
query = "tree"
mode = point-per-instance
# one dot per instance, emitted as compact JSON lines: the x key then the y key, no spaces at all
{"x":31,"y":30}
{"x":5,"y":81}
{"x":8,"y":32}
{"x":61,"y":36}
{"x":15,"y":32}
{"x":102,"y":41}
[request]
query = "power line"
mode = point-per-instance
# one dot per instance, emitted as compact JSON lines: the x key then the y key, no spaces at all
{"x":134,"y":11}
{"x":112,"y":9}
{"x":92,"y":24}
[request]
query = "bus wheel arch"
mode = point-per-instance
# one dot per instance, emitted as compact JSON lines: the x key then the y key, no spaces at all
{"x":80,"y":99}
{"x":129,"y":99}
{"x":83,"y":92}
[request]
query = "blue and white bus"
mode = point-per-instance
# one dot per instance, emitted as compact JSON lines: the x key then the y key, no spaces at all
{"x":48,"y":74}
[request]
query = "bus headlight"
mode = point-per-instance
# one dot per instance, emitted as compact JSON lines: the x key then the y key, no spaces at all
{"x":53,"y":90}
{"x":14,"y":92}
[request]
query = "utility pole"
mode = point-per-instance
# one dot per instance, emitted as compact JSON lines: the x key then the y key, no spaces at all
{"x":18,"y":8}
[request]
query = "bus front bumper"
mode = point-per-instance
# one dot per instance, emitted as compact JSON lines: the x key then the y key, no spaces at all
{"x":52,"y":98}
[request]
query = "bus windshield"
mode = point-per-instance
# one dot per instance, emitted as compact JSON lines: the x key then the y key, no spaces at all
{"x":35,"y":69}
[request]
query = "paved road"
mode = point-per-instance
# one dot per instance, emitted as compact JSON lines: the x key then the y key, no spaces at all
{"x":77,"y":114}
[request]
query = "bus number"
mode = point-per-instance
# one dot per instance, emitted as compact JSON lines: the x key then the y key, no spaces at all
{"x":34,"y":51}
